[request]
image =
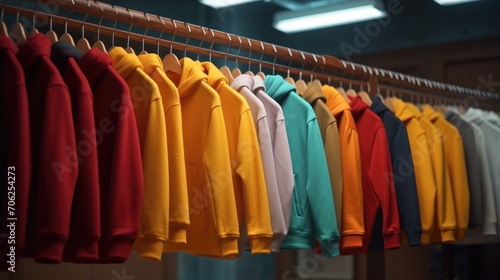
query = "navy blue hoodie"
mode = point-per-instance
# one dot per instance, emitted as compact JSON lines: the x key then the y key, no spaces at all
{"x":404,"y":176}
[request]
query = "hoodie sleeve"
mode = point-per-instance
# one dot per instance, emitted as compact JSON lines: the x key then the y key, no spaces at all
{"x":153,"y":229}
{"x":220,"y":186}
{"x":406,"y":188}
{"x":426,"y":185}
{"x":383,"y":186}
{"x":319,"y":193}
{"x":332,"y":151}
{"x":249,"y":166}
{"x":459,"y":183}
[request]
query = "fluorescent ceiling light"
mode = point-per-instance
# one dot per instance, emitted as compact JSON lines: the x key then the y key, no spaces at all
{"x":216,"y":4}
{"x":327,"y":16}
{"x":452,"y":2}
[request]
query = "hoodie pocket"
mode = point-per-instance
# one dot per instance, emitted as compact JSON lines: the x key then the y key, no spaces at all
{"x":197,"y":199}
{"x":296,"y":197}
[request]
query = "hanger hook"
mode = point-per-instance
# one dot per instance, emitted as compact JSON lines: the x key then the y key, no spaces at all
{"x":34,"y":14}
{"x":249,"y":55}
{"x":261,"y":56}
{"x":98,"y":26}
{"x":238,"y":53}
{"x":114,"y":27}
{"x":201,"y":43}
{"x":189,"y":36}
{"x":159,"y":37}
{"x":130,"y":29}
{"x":173,"y":36}
{"x":275,"y":57}
{"x":85,"y":19}
{"x":145,"y":31}
{"x":315,"y":65}
{"x":303,"y":64}
{"x":211,"y":45}
{"x":228,"y":47}
{"x":20,"y":6}
{"x":289,"y":62}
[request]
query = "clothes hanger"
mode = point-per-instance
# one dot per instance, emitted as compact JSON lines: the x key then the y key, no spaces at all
{"x":51,"y":34}
{"x":224,"y":69}
{"x":83,"y":44}
{"x":201,"y":43}
{"x":3,"y":29}
{"x":144,"y":35}
{"x":159,"y":37}
{"x":341,"y":91}
{"x":317,"y":82}
{"x":300,"y":85}
{"x":17,"y":33}
{"x":389,"y":103}
{"x":288,"y":78}
{"x":260,"y":73}
{"x":236,"y":71}
{"x":365,"y":97}
{"x":249,"y":72}
{"x":34,"y":31}
{"x":99,"y":44}
{"x":128,"y":49}
{"x":66,"y":37}
{"x":170,"y":62}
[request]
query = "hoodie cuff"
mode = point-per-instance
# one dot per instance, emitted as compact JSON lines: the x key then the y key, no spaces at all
{"x":330,"y":247}
{"x":260,"y":244}
{"x":149,"y":248}
{"x":177,"y":234}
{"x":351,"y":241}
{"x":49,"y":249}
{"x":413,"y":238}
{"x":391,"y":241}
{"x":447,"y":235}
{"x":119,"y":250}
{"x":228,"y":246}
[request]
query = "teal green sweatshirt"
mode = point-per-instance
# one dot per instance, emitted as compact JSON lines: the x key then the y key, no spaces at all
{"x":313,"y":212}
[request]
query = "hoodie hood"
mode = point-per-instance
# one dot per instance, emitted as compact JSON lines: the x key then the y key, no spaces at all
{"x":278,"y":88}
{"x":313,"y":93}
{"x":357,"y":106}
{"x":33,"y":49}
{"x":241,"y":81}
{"x":335,"y":102}
{"x":414,"y":109}
{"x":378,"y":106}
{"x":61,"y":51}
{"x":475,"y":115}
{"x":403,"y":111}
{"x":258,"y":84}
{"x":124,"y":63}
{"x":430,"y":113}
{"x":150,"y":62}
{"x":492,"y":118}
{"x":192,"y":75}
{"x":215,"y":77}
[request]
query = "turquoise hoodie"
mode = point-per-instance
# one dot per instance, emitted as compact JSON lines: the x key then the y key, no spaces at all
{"x":313,"y":211}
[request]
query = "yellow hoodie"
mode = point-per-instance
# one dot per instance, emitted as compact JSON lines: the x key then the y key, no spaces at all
{"x":352,"y":225}
{"x":150,"y":119}
{"x":213,"y":230}
{"x":424,"y":174}
{"x":246,"y":162}
{"x":445,"y":222}
{"x":455,"y":160}
{"x":179,"y":203}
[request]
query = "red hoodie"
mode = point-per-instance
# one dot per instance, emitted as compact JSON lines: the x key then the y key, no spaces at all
{"x":85,"y":226}
{"x":378,"y":182}
{"x":119,"y":157}
{"x":15,"y":149}
{"x":53,"y":149}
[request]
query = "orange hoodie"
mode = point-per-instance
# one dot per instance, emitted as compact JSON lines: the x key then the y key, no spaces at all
{"x":150,"y":120}
{"x":445,"y":222}
{"x":214,"y":227}
{"x":248,"y":174}
{"x":455,"y":160}
{"x":352,"y":225}
{"x":424,"y":174}
{"x":179,"y":209}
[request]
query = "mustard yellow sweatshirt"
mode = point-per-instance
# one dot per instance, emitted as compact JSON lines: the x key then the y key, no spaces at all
{"x":445,"y":222}
{"x":150,"y":119}
{"x":213,"y":229}
{"x":179,"y":210}
{"x":455,"y":160}
{"x":248,"y":174}
{"x":424,"y":174}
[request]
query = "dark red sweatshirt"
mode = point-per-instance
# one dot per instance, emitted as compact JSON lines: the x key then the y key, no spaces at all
{"x":15,"y":148}
{"x":85,"y":225}
{"x":53,"y":147}
{"x":119,"y":157}
{"x":377,"y":179}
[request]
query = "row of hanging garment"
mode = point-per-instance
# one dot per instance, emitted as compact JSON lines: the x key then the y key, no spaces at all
{"x":117,"y":152}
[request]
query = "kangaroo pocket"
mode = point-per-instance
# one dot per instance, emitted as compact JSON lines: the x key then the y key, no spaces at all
{"x":197,"y":199}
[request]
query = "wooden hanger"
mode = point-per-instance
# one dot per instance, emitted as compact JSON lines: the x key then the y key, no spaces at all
{"x":389,"y":103}
{"x":170,"y":62}
{"x":66,"y":37}
{"x":301,"y":86}
{"x":17,"y":33}
{"x":365,"y":97}
{"x":224,"y":69}
{"x":341,"y":91}
{"x":289,"y":79}
{"x":128,"y":49}
{"x":236,"y":70}
{"x":3,"y":30}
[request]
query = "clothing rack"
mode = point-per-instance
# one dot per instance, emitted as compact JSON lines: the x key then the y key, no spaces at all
{"x":285,"y":60}
{"x":270,"y":56}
